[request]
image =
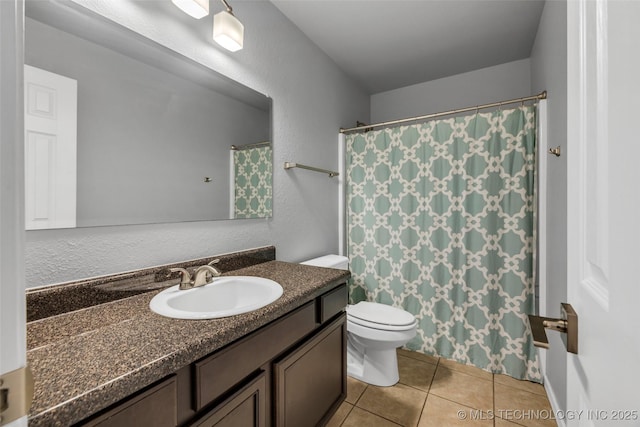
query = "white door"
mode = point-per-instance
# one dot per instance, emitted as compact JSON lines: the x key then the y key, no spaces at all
{"x":603,"y":149}
{"x":50,"y":120}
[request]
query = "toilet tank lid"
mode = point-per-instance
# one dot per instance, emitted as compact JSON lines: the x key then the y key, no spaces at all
{"x":330,"y":261}
{"x":381,"y":313}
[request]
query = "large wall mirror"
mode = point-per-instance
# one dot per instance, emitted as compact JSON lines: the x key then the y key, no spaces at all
{"x":121,"y":130}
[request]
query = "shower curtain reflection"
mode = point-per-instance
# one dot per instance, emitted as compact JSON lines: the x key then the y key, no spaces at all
{"x":440,"y":222}
{"x":252,"y":182}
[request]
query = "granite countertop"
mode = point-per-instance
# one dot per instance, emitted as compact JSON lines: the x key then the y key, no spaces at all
{"x":85,"y":360}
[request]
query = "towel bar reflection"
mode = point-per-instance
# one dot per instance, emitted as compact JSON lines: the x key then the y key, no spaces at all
{"x":290,"y":165}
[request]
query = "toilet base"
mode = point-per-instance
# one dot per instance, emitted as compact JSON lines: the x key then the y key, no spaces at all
{"x":376,"y":367}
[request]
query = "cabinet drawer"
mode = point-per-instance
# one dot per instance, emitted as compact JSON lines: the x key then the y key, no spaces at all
{"x":311,"y":382}
{"x":333,"y":302}
{"x":219,"y":372}
{"x":155,"y":407}
{"x":246,"y":408}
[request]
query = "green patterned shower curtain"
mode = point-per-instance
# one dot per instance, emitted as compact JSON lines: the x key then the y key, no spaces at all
{"x":253,"y":176}
{"x":441,"y":223}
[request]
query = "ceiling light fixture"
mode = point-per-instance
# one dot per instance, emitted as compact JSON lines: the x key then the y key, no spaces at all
{"x":228,"y":31}
{"x":196,"y":8}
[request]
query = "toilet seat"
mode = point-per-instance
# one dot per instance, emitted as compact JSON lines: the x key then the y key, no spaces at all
{"x":380,"y":316}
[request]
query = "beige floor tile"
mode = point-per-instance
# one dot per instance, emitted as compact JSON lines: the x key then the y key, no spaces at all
{"x":522,"y":407}
{"x":521,"y":384}
{"x":340,"y":415}
{"x":416,"y":373}
{"x":417,"y":355}
{"x":359,"y":418}
{"x":355,"y":388}
{"x":439,"y":412}
{"x":467,"y":369}
{"x":468,"y":390}
{"x":400,"y":403}
{"x":503,"y":423}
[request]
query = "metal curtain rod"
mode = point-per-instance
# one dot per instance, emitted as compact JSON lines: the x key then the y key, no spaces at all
{"x":289,"y":165}
{"x":541,"y":95}
{"x":249,"y":146}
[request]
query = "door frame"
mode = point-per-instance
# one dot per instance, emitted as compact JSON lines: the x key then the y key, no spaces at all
{"x":13,"y":346}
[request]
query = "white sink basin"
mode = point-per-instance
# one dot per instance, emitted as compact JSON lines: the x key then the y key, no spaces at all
{"x":224,"y":296}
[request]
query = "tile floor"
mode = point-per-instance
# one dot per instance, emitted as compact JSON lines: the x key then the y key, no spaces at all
{"x":435,"y":392}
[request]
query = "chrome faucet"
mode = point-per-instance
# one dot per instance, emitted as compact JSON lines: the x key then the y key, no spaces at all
{"x":185,"y":279}
{"x":201,"y":276}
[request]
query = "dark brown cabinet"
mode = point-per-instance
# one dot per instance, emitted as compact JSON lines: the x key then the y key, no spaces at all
{"x":216,"y":374}
{"x":312,"y":380}
{"x":245,"y":408}
{"x":154,"y":406}
{"x":289,"y":373}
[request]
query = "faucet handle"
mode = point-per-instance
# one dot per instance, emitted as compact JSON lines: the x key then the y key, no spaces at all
{"x":185,"y":278}
{"x":204,"y":274}
{"x":211,"y":264}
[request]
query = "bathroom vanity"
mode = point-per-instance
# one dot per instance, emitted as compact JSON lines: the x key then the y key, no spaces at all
{"x":119,"y":364}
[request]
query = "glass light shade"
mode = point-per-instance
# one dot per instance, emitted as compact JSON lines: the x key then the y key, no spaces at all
{"x":196,"y":8}
{"x":228,"y":31}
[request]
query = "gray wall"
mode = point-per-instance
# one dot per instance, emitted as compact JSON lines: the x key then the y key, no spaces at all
{"x":146,"y":137}
{"x":312,"y":99}
{"x":505,"y":81}
{"x":549,"y":71}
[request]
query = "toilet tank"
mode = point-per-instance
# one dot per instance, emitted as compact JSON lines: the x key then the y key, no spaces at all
{"x":330,"y":261}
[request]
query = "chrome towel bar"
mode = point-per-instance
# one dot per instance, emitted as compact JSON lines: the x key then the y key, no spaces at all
{"x":290,"y":165}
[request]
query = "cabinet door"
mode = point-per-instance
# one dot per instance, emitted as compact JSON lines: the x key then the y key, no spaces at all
{"x":245,"y":408}
{"x":311,"y":382}
{"x":154,"y":407}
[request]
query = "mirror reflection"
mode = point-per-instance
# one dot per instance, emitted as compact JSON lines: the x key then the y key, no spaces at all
{"x":120,"y":130}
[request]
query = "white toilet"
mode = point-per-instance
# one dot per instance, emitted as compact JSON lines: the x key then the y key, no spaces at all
{"x":374,"y":331}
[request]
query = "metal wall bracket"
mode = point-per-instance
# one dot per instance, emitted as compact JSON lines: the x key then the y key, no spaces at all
{"x":567,"y":324}
{"x":16,"y":394}
{"x":555,"y":151}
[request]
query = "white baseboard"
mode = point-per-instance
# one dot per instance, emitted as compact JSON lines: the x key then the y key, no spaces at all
{"x":554,"y":402}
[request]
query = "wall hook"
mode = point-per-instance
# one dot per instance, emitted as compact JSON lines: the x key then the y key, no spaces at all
{"x":555,"y":151}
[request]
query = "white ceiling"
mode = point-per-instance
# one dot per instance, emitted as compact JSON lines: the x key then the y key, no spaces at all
{"x":389,"y":44}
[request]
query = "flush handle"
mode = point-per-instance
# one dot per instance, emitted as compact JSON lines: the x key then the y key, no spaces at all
{"x":567,"y":325}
